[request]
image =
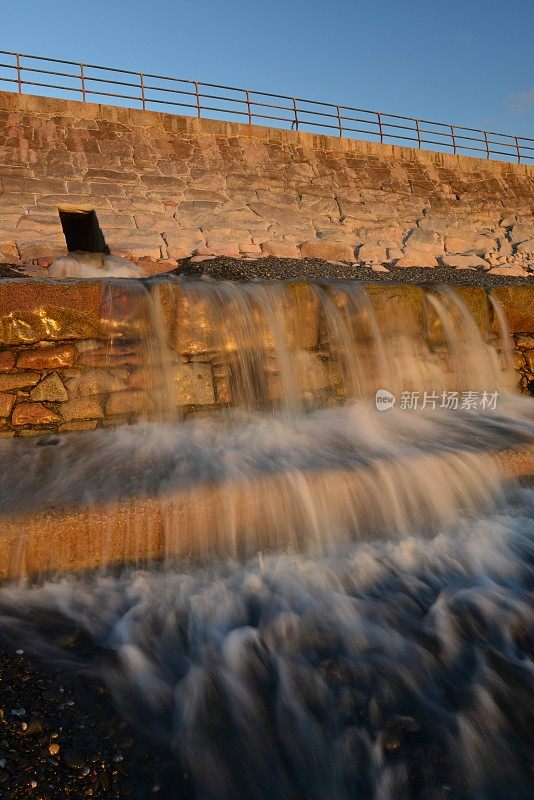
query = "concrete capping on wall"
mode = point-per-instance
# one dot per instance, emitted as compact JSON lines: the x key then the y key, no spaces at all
{"x":173,"y":123}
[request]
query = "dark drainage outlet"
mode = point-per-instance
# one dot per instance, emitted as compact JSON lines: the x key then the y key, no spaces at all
{"x":82,"y":231}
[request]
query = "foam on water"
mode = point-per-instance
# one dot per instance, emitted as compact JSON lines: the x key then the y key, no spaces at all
{"x":392,"y":669}
{"x":344,"y":603}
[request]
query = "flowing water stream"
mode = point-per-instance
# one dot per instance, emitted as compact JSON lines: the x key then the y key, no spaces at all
{"x":342,"y":606}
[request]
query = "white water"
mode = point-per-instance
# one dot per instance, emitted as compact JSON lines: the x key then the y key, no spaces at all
{"x":345,"y":608}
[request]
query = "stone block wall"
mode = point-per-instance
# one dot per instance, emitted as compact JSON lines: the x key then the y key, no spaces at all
{"x":75,"y":356}
{"x":166,"y":187}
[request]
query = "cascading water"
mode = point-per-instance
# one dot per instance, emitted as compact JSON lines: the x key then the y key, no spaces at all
{"x":343,"y":601}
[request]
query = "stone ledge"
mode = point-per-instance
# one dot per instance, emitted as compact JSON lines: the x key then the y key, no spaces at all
{"x":86,"y":538}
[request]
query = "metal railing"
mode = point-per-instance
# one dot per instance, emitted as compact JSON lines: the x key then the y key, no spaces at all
{"x":157,"y":92}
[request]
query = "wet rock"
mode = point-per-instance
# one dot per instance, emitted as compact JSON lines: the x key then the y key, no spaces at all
{"x":73,"y":760}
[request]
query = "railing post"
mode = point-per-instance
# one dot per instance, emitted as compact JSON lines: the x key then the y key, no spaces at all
{"x":248,"y":107}
{"x":339,"y":122}
{"x":19,"y":81}
{"x":295,"y":111}
{"x":143,"y":99}
{"x":487,"y":144}
{"x":197,"y":95}
{"x":518,"y":149}
{"x":82,"y":78}
{"x":453,"y":140}
{"x":379,"y":118}
{"x":418,"y":134}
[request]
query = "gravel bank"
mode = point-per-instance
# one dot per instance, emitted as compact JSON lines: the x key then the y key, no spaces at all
{"x":272,"y":268}
{"x":311,"y":269}
{"x":60,"y":737}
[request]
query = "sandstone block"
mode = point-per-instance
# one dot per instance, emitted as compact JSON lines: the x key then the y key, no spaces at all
{"x":137,"y":244}
{"x":81,"y":409}
{"x":33,"y":311}
{"x":312,"y":372}
{"x":525,"y":342}
{"x":43,"y":247}
{"x":463,"y":262}
{"x":47,"y":357}
{"x":9,"y":253}
{"x":50,"y":389}
{"x":416,"y":259}
{"x":18,"y":380}
{"x":128,"y":402}
{"x":284,"y":215}
{"x":29,"y":224}
{"x":526,"y":247}
{"x":372,"y":252}
{"x":220,"y":247}
{"x":328,"y":251}
{"x":280,"y":249}
{"x":96,"y":381}
{"x":6,"y":404}
{"x":517,"y":305}
{"x":33,"y":414}
{"x":421,"y":240}
{"x":194,"y":384}
{"x":521,"y":233}
{"x":511,"y":270}
{"x":504,"y":247}
{"x":182,"y":243}
{"x":7,"y":360}
{"x":82,"y":425}
{"x":453,"y":244}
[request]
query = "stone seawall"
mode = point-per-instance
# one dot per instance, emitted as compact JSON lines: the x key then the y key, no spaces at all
{"x":165,"y":188}
{"x":74,"y":355}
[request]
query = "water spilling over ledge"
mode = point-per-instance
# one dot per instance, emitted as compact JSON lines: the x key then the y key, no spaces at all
{"x":320,"y":596}
{"x":253,"y":417}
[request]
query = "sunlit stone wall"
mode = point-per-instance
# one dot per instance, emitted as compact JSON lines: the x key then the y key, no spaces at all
{"x":166,"y":187}
{"x":75,"y":357}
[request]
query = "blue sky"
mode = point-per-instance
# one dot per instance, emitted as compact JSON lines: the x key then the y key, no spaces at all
{"x":468,"y":62}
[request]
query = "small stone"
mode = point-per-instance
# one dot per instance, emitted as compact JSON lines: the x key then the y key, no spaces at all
{"x":328,"y":251}
{"x":372,"y":252}
{"x":33,"y":414}
{"x":128,"y":402}
{"x":7,"y":361}
{"x":54,"y":749}
{"x":81,"y":409}
{"x":73,"y":760}
{"x":47,"y":357}
{"x":462,"y":262}
{"x":280,"y":249}
{"x":18,"y":380}
{"x":51,"y":389}
{"x":35,"y":726}
{"x":6,"y":404}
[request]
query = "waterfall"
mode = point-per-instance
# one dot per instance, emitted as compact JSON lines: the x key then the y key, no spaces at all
{"x":320,"y":596}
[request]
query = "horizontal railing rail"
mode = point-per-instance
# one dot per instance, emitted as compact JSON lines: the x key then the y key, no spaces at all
{"x":90,"y":83}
